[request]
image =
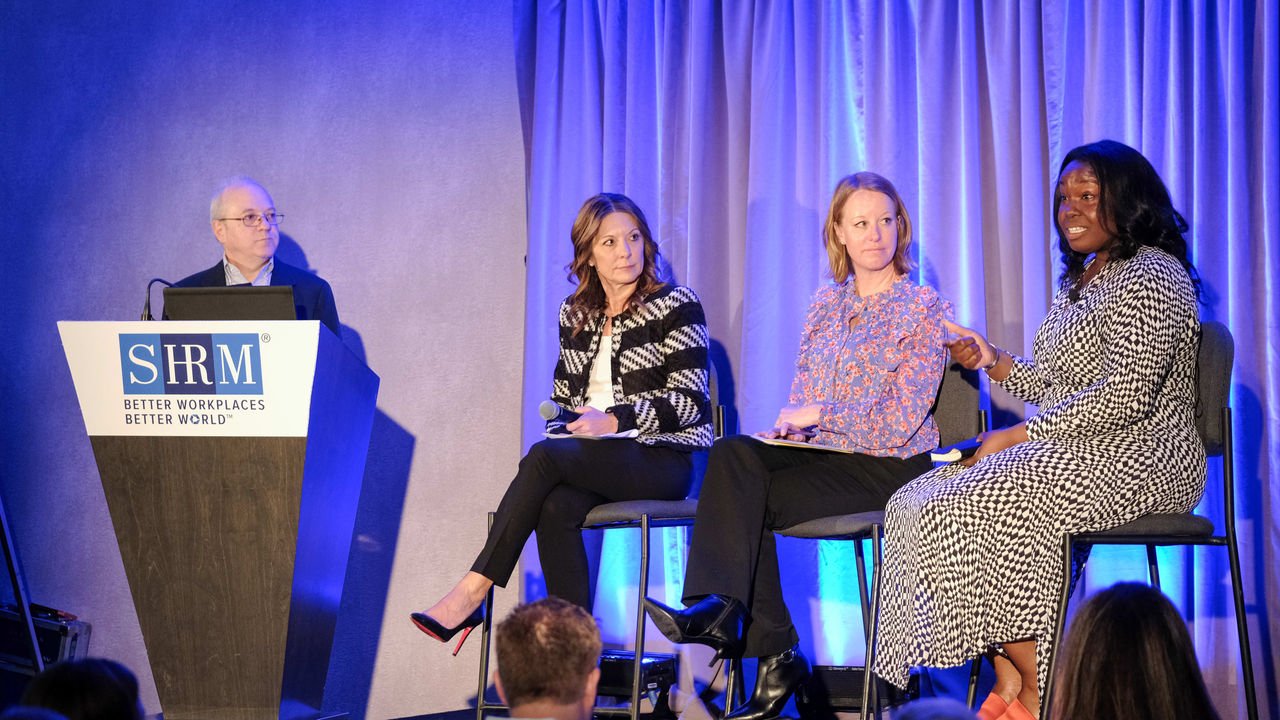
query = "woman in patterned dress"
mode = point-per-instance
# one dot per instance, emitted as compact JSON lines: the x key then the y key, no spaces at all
{"x":871,"y":359}
{"x":633,"y":360}
{"x":973,"y":549}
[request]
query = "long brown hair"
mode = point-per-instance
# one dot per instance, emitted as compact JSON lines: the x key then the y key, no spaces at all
{"x":836,"y":253}
{"x":1129,"y":657}
{"x":589,"y":298}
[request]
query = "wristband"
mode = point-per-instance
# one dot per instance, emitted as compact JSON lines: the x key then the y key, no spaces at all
{"x":994,"y":362}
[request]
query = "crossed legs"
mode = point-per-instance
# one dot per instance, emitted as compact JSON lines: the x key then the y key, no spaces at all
{"x":557,"y":483}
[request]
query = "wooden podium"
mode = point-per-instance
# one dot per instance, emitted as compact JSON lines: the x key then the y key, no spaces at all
{"x":231,"y":455}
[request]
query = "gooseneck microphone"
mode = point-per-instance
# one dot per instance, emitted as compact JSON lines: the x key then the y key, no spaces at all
{"x":146,"y":307}
{"x":550,"y":410}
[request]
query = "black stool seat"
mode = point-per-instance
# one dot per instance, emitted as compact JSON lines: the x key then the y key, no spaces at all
{"x":1159,"y":524}
{"x":627,"y":513}
{"x":854,"y":526}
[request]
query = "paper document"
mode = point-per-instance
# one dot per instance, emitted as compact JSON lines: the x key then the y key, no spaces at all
{"x":797,"y":444}
{"x":627,"y":434}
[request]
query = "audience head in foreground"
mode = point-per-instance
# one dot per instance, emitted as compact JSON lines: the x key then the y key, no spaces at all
{"x":548,"y":652}
{"x":88,"y":689}
{"x":1128,"y":656}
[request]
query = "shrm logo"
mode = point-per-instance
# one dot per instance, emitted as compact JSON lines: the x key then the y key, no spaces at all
{"x":191,"y":364}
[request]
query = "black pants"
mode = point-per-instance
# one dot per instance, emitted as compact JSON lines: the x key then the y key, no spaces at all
{"x":558,"y":483}
{"x":751,"y":489}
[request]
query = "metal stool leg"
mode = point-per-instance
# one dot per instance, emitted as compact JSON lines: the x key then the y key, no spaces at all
{"x":643,"y":590}
{"x":862,"y":580}
{"x":485,"y":627}
{"x":1242,"y":631}
{"x":1233,"y":557}
{"x":1060,"y":620}
{"x":870,"y":700}
{"x":1153,"y":567}
{"x":971,"y":695}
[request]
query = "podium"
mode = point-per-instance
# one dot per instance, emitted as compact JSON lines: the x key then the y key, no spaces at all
{"x":231,"y":455}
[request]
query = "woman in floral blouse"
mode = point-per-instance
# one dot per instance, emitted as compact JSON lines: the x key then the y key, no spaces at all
{"x":871,"y":359}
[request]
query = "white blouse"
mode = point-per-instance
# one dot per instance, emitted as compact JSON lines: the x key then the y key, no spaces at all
{"x":600,"y":386}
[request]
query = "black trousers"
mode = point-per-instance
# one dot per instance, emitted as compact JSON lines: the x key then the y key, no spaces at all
{"x":751,"y":489}
{"x":557,"y":484}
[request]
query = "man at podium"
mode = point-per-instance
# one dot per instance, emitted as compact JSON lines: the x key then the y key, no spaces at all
{"x":246,"y":224}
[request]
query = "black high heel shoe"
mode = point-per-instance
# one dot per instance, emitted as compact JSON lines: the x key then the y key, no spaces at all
{"x":428,"y":625}
{"x":715,"y":621}
{"x":778,"y":677}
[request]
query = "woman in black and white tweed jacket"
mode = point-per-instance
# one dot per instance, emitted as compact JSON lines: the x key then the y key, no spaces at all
{"x":633,"y":362}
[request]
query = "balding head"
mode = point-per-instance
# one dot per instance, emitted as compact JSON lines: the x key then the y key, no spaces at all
{"x":216,"y":206}
{"x":547,"y":656}
{"x":248,"y":247}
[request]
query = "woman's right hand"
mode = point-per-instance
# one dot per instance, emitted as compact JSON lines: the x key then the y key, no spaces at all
{"x":970,"y":349}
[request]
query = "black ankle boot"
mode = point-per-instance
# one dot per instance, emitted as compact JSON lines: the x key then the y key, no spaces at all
{"x":715,"y":621}
{"x":777,"y":679}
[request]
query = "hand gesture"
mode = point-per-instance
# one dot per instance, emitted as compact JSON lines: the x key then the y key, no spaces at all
{"x":969,"y":349}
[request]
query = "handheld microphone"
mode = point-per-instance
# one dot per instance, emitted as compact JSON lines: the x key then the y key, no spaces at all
{"x":959,"y":451}
{"x":549,"y":410}
{"x":146,"y":307}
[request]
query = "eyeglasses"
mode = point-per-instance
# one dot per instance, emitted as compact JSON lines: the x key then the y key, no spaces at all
{"x":255,"y":219}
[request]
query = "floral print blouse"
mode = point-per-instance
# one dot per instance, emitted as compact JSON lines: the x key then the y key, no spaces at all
{"x":875,"y":365}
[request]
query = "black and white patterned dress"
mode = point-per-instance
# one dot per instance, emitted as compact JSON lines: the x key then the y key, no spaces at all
{"x":973,"y":555}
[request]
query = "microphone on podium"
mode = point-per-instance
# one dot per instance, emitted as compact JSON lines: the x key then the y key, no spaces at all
{"x":550,"y":410}
{"x":146,"y":307}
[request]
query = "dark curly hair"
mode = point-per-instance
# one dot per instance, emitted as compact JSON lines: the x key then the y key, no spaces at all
{"x":1133,"y":204}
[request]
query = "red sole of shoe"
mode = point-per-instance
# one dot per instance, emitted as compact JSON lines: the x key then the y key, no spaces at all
{"x":426,"y":630}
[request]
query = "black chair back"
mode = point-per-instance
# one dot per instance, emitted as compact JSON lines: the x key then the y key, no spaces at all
{"x":1213,"y":383}
{"x":958,"y":410}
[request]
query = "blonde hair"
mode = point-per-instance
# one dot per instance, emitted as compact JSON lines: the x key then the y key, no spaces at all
{"x":836,"y":253}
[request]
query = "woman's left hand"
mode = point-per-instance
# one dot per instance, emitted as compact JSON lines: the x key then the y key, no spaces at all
{"x":592,"y":422}
{"x":801,"y":416}
{"x":996,"y":440}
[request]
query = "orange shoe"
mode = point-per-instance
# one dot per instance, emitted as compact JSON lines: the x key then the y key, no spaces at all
{"x":1018,"y":711}
{"x":993,"y":708}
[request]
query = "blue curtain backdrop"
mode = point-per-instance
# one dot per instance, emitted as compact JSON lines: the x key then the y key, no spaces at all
{"x":730,"y":124}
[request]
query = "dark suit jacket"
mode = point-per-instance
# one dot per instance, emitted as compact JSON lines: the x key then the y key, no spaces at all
{"x":312,"y":296}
